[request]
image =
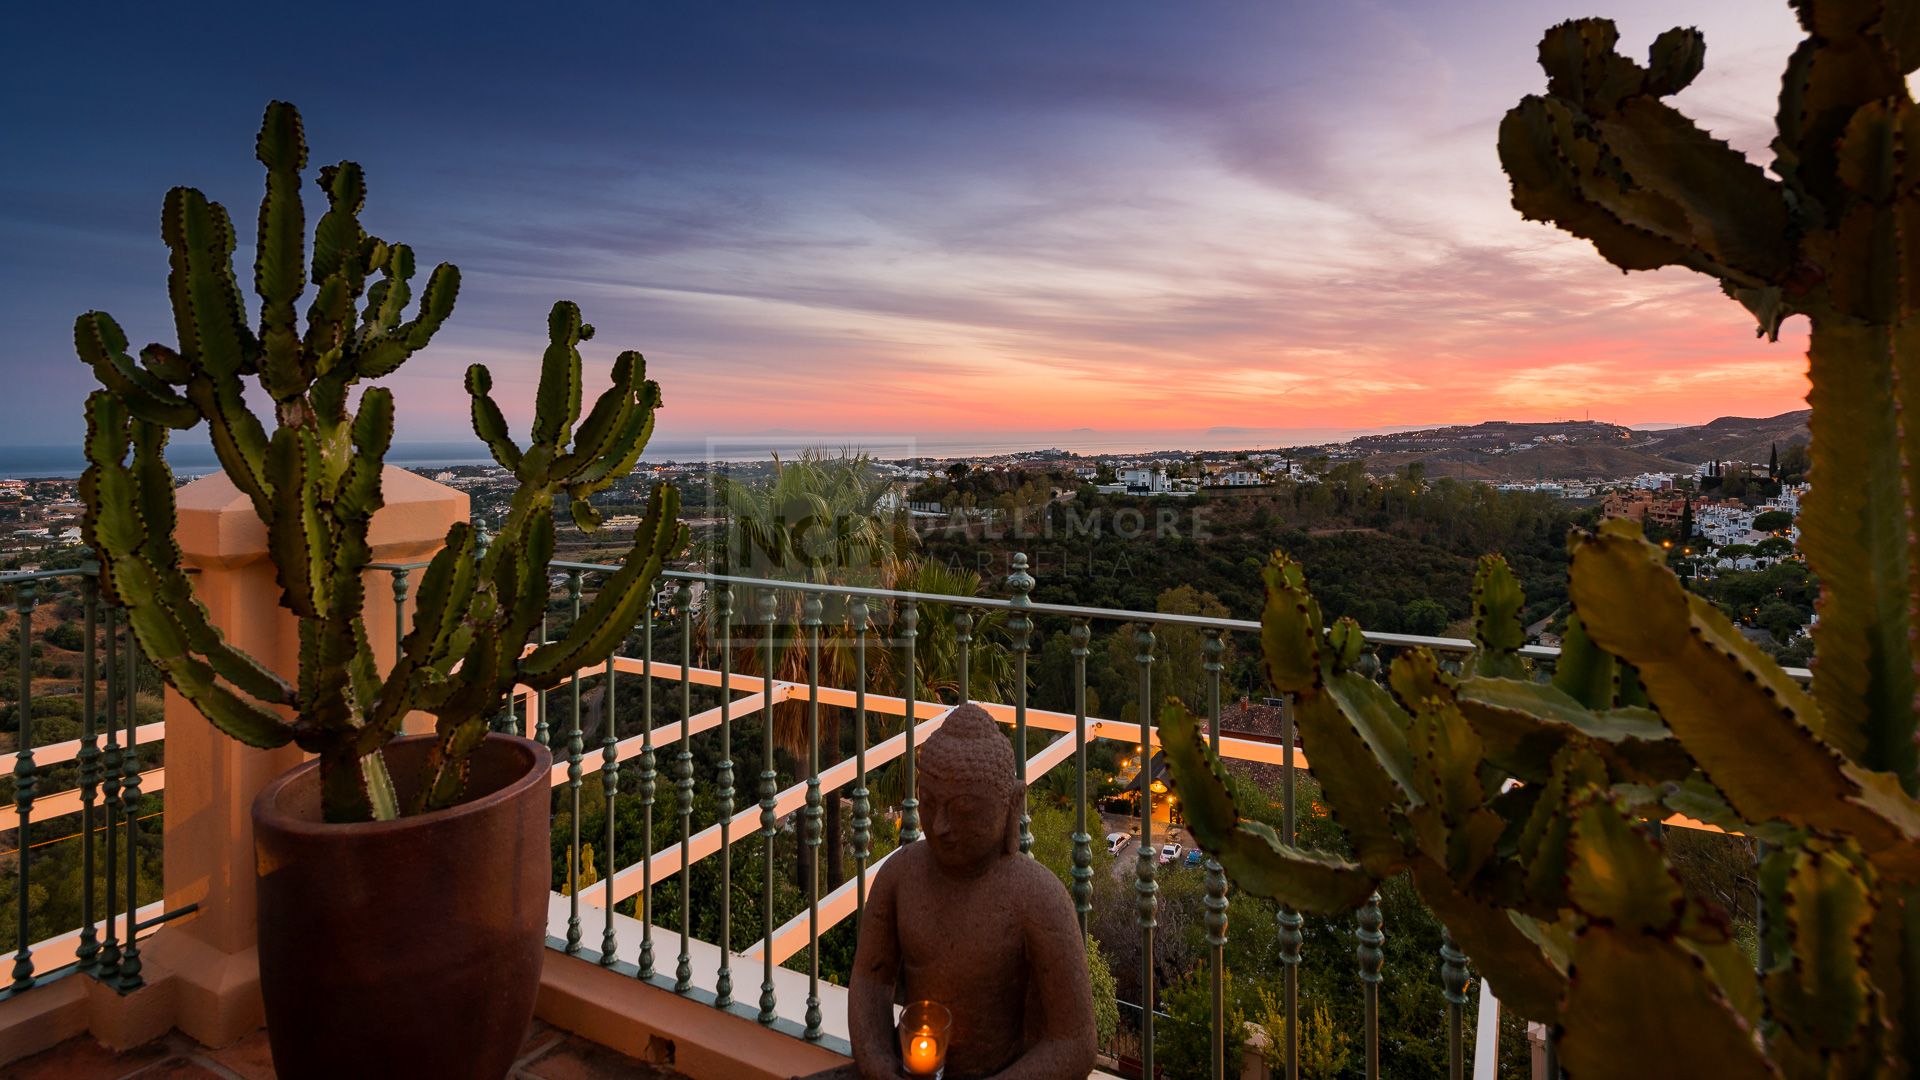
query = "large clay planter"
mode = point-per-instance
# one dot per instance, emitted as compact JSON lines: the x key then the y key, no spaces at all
{"x":407,"y":948}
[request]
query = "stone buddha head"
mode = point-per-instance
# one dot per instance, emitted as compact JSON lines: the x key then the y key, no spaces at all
{"x":969,"y":792}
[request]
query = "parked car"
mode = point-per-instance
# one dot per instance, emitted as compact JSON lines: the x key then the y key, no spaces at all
{"x":1117,"y":842}
{"x":1170,"y":852}
{"x":1195,"y":857}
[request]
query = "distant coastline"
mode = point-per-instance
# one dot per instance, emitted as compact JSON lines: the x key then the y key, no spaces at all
{"x":191,"y":459}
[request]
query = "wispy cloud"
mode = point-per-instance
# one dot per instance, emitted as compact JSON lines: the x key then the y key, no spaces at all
{"x":952,"y":219}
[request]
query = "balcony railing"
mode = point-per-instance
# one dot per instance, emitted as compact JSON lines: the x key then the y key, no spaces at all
{"x":741,"y":613}
{"x":703,"y":661}
{"x":94,"y":791}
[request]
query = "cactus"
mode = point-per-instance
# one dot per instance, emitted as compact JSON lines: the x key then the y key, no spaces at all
{"x":314,"y":480}
{"x":1657,"y":704}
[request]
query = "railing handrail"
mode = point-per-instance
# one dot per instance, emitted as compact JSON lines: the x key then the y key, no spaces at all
{"x":1444,"y":645}
{"x":10,"y":577}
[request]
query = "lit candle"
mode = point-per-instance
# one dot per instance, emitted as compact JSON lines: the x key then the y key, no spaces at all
{"x":923,"y":1053}
{"x":924,"y":1030}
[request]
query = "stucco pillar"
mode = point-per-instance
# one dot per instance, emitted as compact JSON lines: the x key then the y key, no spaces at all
{"x":210,"y":959}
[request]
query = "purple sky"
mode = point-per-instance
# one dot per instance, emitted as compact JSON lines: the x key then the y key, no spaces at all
{"x":926,"y":221}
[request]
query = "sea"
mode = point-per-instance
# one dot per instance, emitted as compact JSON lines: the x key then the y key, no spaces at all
{"x":190,"y":457}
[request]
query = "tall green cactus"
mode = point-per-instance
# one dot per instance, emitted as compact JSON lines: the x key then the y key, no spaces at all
{"x":1658,"y":705}
{"x":314,"y":480}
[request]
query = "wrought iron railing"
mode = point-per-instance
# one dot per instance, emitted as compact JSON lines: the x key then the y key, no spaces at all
{"x":745,"y":612}
{"x":88,"y":790}
{"x":98,"y":780}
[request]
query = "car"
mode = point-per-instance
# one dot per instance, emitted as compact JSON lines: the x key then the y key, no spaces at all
{"x":1195,"y":856}
{"x":1117,"y":842}
{"x":1170,"y":852}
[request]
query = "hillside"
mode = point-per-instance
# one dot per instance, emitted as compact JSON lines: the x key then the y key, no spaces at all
{"x":1499,"y":450}
{"x":1731,"y":438}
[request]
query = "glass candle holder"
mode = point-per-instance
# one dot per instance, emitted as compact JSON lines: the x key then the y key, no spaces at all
{"x":925,"y":1030}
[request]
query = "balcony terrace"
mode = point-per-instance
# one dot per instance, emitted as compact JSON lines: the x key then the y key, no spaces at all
{"x":627,"y":967}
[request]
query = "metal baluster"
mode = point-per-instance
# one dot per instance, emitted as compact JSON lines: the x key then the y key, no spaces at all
{"x":130,"y":799}
{"x":1291,"y":935}
{"x":400,"y":612}
{"x":1369,"y":957}
{"x":963,"y":629}
{"x":1144,"y":886}
{"x":810,"y":619}
{"x":575,"y":747}
{"x":1763,"y":956}
{"x":1082,"y":842}
{"x":910,"y":806}
{"x":647,"y":785}
{"x":769,"y":790}
{"x":1216,"y":900}
{"x":683,"y":789}
{"x":88,"y":950}
{"x":610,"y":784}
{"x":109,"y":965}
{"x":1453,"y":985}
{"x":723,"y":793}
{"x":25,"y":778}
{"x":1020,"y":625}
{"x":540,"y":733}
{"x":862,"y":804}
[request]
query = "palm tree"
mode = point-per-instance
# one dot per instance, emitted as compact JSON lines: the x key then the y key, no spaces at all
{"x":819,"y":520}
{"x":936,"y":657}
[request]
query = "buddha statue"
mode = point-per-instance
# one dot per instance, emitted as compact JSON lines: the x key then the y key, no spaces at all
{"x":964,"y":919}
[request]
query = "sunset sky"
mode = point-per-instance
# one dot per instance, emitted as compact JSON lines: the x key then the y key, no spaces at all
{"x":928,"y":221}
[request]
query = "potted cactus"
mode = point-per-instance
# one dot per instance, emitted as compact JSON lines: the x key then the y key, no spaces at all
{"x":1525,"y":811}
{"x":402,"y":880}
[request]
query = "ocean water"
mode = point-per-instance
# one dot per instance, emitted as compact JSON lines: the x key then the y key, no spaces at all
{"x":193,"y":457}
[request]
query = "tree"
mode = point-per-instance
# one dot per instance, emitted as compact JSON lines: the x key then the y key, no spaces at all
{"x":817,"y":521}
{"x":958,"y":471}
{"x":1773,"y":461}
{"x":1773,"y":547}
{"x":1185,"y":1039}
{"x":1425,"y":616}
{"x":1773,"y":521}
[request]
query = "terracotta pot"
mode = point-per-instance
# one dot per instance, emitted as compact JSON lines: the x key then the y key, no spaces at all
{"x":405,"y":948}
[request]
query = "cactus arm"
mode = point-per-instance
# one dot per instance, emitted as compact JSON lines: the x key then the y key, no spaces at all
{"x":1498,"y":604}
{"x":1751,"y":729}
{"x":387,"y":298}
{"x":342,"y":251}
{"x":462,"y":727}
{"x":604,"y":423}
{"x":617,"y":606}
{"x":101,"y":343}
{"x":1857,"y":532}
{"x":1361,"y":786}
{"x":1823,"y":1000}
{"x":1525,"y":723}
{"x":1515,"y":955}
{"x":279,"y":268}
{"x":1637,"y":952}
{"x":488,"y":423}
{"x":1453,"y":826}
{"x":296,"y":536}
{"x":1255,"y":858}
{"x":1585,"y":672}
{"x":1605,"y":159}
{"x":160,"y":608}
{"x":384,"y":802}
{"x":556,"y":404}
{"x":171,"y":590}
{"x":1633,"y":992}
{"x":384,"y":352}
{"x":1290,"y":628}
{"x":627,"y":446}
{"x":208,"y":312}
